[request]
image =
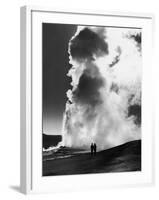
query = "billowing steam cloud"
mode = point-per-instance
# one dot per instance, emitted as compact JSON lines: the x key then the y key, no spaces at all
{"x":104,"y":104}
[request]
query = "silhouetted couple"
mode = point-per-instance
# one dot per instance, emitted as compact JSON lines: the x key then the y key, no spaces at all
{"x":93,"y":149}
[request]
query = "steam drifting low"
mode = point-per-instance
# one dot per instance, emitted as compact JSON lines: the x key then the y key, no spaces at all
{"x":104,"y":103}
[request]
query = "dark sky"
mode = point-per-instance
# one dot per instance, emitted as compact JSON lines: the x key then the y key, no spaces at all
{"x":55,"y":67}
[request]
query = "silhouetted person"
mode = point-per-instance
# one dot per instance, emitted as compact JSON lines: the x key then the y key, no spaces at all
{"x":92,"y":147}
{"x":95,"y":148}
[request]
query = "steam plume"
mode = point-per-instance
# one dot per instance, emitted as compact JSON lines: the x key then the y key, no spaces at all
{"x":104,"y":104}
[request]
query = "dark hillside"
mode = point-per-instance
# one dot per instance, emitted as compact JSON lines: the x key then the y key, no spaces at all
{"x":51,"y":140}
{"x":123,"y":158}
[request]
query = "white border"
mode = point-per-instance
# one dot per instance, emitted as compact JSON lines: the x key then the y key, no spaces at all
{"x":31,"y":80}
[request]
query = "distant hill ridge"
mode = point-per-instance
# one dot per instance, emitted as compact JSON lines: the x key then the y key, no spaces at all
{"x":51,"y":140}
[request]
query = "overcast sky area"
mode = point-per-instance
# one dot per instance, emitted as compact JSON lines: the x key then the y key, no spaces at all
{"x":55,"y":67}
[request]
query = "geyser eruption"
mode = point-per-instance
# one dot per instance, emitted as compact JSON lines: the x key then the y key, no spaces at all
{"x":104,"y":104}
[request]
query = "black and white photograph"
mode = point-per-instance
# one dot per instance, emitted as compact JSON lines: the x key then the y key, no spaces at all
{"x":91,"y":99}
